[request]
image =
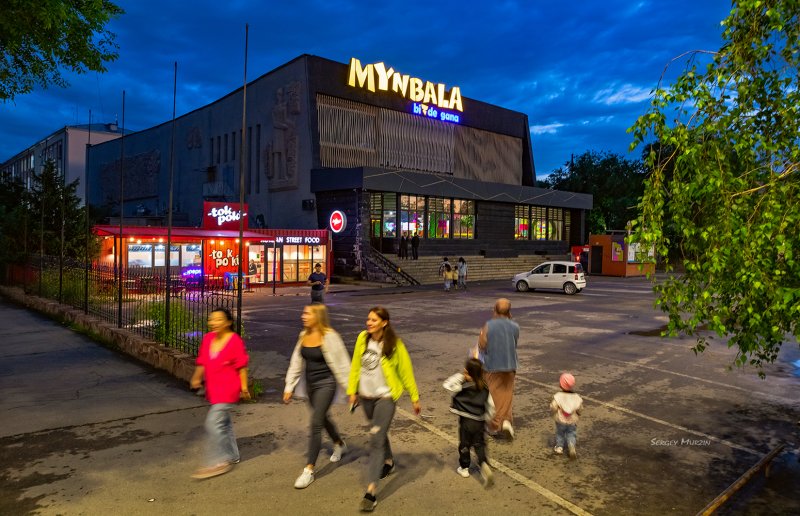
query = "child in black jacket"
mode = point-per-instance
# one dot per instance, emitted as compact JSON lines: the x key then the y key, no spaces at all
{"x":474,"y":406}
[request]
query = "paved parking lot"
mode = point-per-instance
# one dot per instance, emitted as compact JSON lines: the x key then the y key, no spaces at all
{"x":663,"y":430}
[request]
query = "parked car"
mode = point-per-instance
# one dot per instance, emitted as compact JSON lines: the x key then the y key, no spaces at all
{"x":566,"y":276}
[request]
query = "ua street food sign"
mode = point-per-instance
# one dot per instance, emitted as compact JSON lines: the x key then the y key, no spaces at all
{"x":337,"y":221}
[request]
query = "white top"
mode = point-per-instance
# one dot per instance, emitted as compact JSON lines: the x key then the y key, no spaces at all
{"x":372,"y":383}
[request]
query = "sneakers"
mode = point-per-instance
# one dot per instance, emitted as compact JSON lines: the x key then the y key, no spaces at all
{"x":486,"y":475}
{"x":573,"y":454}
{"x":338,"y":451}
{"x":305,"y":479}
{"x":368,"y":503}
{"x":507,"y":430}
{"x":464,"y":472}
{"x":558,"y":450}
{"x":212,"y":471}
{"x":387,"y":468}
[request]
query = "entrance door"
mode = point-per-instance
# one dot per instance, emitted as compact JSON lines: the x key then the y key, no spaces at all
{"x":597,"y":260}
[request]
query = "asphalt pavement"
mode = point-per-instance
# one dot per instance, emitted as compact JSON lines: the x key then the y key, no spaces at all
{"x":87,"y":431}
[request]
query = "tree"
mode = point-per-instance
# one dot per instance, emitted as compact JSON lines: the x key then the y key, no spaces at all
{"x":55,"y":206}
{"x":726,"y":175}
{"x":615,"y":183}
{"x":38,"y":37}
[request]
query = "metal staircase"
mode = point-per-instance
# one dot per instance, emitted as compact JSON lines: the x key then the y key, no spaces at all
{"x":376,"y":260}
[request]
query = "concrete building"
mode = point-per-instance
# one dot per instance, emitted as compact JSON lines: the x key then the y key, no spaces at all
{"x":390,"y":154}
{"x":66,"y":147}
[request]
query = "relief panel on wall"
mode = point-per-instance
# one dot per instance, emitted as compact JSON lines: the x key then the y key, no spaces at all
{"x":281,"y":153}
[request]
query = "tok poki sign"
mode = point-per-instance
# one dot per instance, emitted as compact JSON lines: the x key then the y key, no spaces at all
{"x":223,"y":215}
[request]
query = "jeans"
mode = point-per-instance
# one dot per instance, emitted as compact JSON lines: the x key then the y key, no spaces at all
{"x":462,"y":281}
{"x":221,"y":444}
{"x":317,"y":296}
{"x":380,"y":412}
{"x":471,"y":434}
{"x":447,"y":284}
{"x":320,"y":397}
{"x":566,"y":434}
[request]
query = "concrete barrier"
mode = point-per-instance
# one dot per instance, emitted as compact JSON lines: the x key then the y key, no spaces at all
{"x":176,"y":363}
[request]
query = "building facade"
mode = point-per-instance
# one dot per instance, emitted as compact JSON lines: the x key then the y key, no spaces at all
{"x":66,"y":148}
{"x":392,"y":154}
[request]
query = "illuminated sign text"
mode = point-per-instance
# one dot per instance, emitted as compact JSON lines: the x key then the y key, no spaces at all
{"x":375,"y":77}
{"x":432,"y":112}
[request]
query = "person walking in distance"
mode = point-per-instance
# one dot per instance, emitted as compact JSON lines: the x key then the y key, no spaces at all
{"x":222,"y":361}
{"x":379,"y":373}
{"x":319,"y":284}
{"x":403,"y":252}
{"x":566,"y":409}
{"x":444,"y":268}
{"x":498,"y":344}
{"x":321,"y":362}
{"x":415,"y":246}
{"x":474,"y":406}
{"x":461,"y":267}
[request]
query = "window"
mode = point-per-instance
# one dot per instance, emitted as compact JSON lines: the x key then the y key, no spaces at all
{"x":226,"y":148}
{"x":522,"y":222}
{"x":219,"y":153}
{"x":160,"y":253}
{"x":539,"y":222}
{"x":412,"y":214}
{"x":559,"y":268}
{"x":258,"y":158}
{"x":249,"y":175}
{"x":389,"y":215}
{"x":439,"y":217}
{"x":463,"y":218}
{"x":211,"y":152}
{"x":233,"y":145}
{"x":375,"y":212}
{"x":555,"y":224}
{"x":191,"y":254}
{"x":140,"y":255}
{"x":542,"y":269}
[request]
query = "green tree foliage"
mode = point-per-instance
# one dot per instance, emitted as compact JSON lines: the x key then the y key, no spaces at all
{"x":725,"y":174}
{"x":39,"y":37}
{"x":615,"y":182}
{"x":14,"y":222}
{"x":53,"y":207}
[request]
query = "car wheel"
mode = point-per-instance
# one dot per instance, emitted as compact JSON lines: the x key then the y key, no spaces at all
{"x":522,"y":286}
{"x":570,"y":288}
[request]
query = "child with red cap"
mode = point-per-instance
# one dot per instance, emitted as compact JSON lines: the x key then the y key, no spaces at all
{"x":566,"y":408}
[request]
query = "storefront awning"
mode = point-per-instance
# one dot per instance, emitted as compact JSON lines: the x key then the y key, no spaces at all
{"x":178,"y":233}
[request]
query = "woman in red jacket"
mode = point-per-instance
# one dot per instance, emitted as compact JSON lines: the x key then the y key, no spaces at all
{"x":222,"y":360}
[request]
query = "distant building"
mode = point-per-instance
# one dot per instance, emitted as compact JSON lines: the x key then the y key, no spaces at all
{"x":369,"y":152}
{"x":66,"y":147}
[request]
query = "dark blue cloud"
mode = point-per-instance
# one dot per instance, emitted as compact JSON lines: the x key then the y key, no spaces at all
{"x":581,"y":71}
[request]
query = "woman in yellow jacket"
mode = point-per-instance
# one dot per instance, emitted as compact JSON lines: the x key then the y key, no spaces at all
{"x":379,"y":373}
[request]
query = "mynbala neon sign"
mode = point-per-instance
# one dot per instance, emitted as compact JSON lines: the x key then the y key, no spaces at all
{"x":374,"y":77}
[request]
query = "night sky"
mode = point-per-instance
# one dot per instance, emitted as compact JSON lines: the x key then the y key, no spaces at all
{"x":581,"y":71}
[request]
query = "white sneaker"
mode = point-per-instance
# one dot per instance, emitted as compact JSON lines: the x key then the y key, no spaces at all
{"x":305,"y":479}
{"x":338,"y":451}
{"x":508,"y":430}
{"x":464,"y":472}
{"x":558,"y":450}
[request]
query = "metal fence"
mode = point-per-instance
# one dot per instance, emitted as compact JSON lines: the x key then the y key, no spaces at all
{"x":142,"y":305}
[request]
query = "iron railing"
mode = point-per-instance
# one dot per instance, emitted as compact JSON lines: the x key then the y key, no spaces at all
{"x":142,"y":306}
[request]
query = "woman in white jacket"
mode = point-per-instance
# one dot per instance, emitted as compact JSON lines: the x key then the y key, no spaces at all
{"x":322,"y":362}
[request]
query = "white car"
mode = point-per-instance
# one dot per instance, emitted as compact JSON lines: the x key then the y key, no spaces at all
{"x":566,"y":276}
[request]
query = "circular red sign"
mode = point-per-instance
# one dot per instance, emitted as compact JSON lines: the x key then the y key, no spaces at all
{"x":337,"y":221}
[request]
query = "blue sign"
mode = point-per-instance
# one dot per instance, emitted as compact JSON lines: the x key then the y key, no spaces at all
{"x":434,"y":112}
